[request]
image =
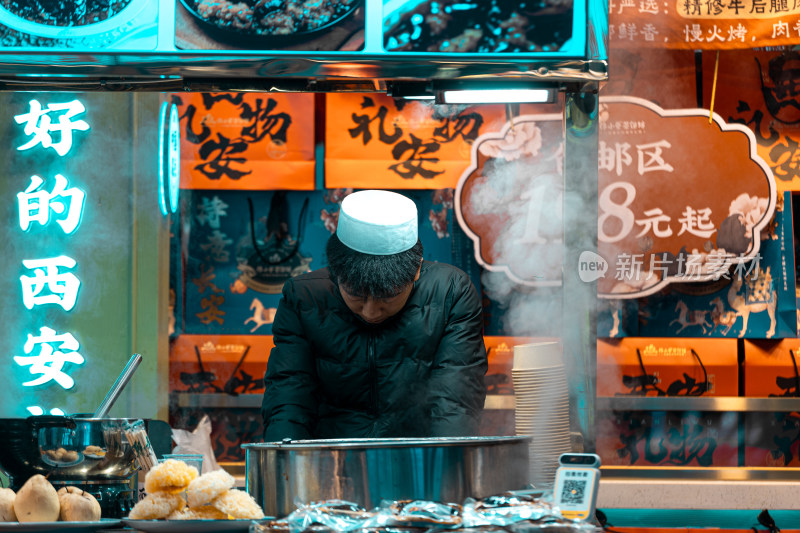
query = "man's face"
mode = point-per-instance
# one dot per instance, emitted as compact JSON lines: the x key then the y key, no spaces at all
{"x":376,"y":310}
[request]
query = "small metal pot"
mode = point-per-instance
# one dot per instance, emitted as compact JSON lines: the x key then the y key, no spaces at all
{"x":66,"y":449}
{"x":366,"y":471}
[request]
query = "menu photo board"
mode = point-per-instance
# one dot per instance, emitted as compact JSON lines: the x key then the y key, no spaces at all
{"x":707,"y":25}
{"x":391,"y":27}
{"x":668,"y":211}
{"x":396,"y":28}
{"x":79,"y":24}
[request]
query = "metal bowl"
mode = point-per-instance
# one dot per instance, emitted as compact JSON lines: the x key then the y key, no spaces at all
{"x":66,"y":449}
{"x":366,"y":471}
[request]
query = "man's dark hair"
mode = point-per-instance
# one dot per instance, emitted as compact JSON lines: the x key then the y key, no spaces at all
{"x":379,"y":276}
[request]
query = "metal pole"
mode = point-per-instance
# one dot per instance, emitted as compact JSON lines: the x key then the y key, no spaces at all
{"x":579,"y":321}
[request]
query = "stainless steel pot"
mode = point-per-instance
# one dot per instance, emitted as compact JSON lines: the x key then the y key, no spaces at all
{"x":366,"y":471}
{"x":66,"y":449}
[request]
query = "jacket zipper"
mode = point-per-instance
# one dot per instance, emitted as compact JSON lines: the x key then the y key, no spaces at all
{"x":373,"y":386}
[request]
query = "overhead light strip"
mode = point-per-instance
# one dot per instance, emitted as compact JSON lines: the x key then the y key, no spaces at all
{"x":497,"y":96}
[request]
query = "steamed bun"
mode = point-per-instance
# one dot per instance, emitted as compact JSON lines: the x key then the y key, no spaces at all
{"x":7,"y":505}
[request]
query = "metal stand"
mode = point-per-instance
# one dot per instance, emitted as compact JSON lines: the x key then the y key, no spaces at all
{"x":579,"y":313}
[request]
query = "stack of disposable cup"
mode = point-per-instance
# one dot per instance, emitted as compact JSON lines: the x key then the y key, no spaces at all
{"x":542,"y":407}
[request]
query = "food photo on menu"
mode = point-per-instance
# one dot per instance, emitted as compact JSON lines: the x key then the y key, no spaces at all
{"x":458,"y":26}
{"x":88,"y":24}
{"x":320,"y":25}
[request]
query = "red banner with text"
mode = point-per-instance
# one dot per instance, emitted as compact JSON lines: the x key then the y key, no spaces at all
{"x":681,"y":197}
{"x":246,"y":141}
{"x":508,"y":201}
{"x":376,"y":141}
{"x":703,"y":24}
{"x":759,"y":89}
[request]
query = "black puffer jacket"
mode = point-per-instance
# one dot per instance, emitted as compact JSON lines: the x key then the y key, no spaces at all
{"x":418,"y":374}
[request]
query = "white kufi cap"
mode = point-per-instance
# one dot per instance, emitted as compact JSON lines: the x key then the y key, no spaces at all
{"x":377,"y":222}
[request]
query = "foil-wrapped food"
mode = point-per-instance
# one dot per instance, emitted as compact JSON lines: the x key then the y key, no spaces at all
{"x":336,"y":515}
{"x":419,"y":513}
{"x":508,"y":512}
{"x":508,"y":508}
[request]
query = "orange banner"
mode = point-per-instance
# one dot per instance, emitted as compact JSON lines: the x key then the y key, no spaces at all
{"x":703,"y":24}
{"x":759,"y":89}
{"x":770,"y":368}
{"x":219,"y":363}
{"x":500,"y":352}
{"x":225,"y":363}
{"x":668,"y":438}
{"x":246,"y":141}
{"x":656,"y":366}
{"x":376,"y":141}
{"x":771,"y":439}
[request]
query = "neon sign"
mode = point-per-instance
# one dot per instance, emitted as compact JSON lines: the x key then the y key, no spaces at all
{"x":48,"y":285}
{"x":49,"y":362}
{"x":173,"y":158}
{"x":169,"y":159}
{"x":162,"y":195}
{"x":35,"y":204}
{"x":39,"y":124}
{"x":35,"y":410}
{"x":50,"y":280}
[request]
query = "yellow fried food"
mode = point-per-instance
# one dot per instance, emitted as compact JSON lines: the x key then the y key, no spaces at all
{"x":238,"y":504}
{"x":94,"y":450}
{"x":170,"y":476}
{"x":157,"y":505}
{"x":208,"y":486}
{"x":205,"y":512}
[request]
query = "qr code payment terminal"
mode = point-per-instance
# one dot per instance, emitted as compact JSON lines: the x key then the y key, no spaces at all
{"x":577,"y":481}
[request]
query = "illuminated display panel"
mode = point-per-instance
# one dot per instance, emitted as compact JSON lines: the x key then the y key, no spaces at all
{"x":515,"y":29}
{"x":107,"y":24}
{"x":67,"y":261}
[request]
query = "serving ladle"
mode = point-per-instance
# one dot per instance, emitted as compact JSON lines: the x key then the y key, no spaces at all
{"x":116,"y":388}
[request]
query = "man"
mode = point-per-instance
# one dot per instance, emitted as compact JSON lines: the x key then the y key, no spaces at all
{"x":380,"y":343}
